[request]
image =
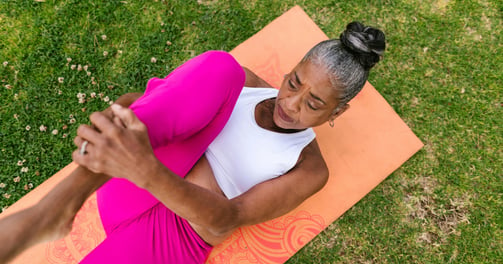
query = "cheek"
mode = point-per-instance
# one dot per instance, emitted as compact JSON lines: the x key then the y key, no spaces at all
{"x":283,"y":92}
{"x":310,"y":118}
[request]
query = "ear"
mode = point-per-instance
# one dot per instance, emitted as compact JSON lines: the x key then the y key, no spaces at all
{"x":339,"y":111}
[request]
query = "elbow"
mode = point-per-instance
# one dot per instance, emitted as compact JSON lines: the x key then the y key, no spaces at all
{"x":324,"y":175}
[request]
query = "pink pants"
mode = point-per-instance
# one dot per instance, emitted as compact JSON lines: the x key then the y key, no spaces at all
{"x":183,"y":113}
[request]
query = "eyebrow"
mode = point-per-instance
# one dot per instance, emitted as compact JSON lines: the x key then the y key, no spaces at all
{"x":317,"y":98}
{"x":314,"y":96}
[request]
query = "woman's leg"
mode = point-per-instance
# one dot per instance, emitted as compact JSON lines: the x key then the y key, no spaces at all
{"x":156,"y":236}
{"x":51,"y":218}
{"x":183,"y":113}
{"x":187,"y":100}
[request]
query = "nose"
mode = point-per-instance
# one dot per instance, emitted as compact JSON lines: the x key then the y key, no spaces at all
{"x":292,"y":103}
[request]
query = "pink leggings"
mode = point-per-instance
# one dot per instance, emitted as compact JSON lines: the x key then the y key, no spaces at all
{"x":183,"y":113}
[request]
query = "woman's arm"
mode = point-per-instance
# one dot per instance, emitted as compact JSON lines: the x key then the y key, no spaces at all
{"x":253,"y":80}
{"x":215,"y":217}
{"x":125,"y":151}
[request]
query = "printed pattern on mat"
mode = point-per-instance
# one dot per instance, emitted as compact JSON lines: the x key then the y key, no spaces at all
{"x":270,"y":71}
{"x":271,"y":242}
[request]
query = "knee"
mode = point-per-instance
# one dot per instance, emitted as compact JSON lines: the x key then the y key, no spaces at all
{"x":223,"y":64}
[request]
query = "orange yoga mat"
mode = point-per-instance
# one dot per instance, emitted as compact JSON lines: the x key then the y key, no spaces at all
{"x":367,"y":143}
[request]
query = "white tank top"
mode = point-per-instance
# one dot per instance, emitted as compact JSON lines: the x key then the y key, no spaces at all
{"x":245,"y":154}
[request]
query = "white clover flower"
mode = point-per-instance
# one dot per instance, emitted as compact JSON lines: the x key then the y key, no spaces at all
{"x":86,"y":67}
{"x":61,"y":79}
{"x":6,"y":195}
{"x":20,"y":163}
{"x":55,"y":132}
{"x":8,"y":86}
{"x":106,"y":99}
{"x":79,"y":67}
{"x":168,"y":43}
{"x":72,"y":120}
{"x":69,"y":60}
{"x":2,"y":185}
{"x":16,"y":116}
{"x":105,"y":53}
{"x":28,"y":128}
{"x":30,"y":185}
{"x":104,"y":37}
{"x":119,"y":52}
{"x":93,"y":95}
{"x":43,"y":128}
{"x":73,"y":67}
{"x":17,"y":179}
{"x":89,"y":73}
{"x":24,"y":169}
{"x":82,"y":100}
{"x":153,"y":60}
{"x":5,"y":63}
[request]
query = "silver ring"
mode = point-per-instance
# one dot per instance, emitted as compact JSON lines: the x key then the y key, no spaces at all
{"x":83,"y":147}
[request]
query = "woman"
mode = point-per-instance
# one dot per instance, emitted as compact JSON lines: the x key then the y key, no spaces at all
{"x":213,"y":160}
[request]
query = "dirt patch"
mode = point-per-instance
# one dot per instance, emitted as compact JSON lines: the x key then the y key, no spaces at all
{"x":438,"y":220}
{"x":440,"y":6}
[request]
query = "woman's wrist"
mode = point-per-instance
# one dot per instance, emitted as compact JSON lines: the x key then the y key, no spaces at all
{"x":152,"y":170}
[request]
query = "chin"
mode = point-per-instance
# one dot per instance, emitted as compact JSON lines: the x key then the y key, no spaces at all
{"x":284,"y":125}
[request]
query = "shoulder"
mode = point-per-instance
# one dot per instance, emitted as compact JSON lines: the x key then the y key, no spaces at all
{"x":311,"y":161}
{"x":253,"y":80}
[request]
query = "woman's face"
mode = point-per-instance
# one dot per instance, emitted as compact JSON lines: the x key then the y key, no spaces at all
{"x":306,"y":98}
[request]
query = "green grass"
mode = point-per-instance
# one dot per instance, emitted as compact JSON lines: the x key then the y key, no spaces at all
{"x":442,"y":73}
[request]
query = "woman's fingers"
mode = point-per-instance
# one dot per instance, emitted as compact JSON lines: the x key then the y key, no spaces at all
{"x":88,"y":133}
{"x":85,"y":159}
{"x":104,"y":123}
{"x":127,"y":116}
{"x":118,"y":148}
{"x":118,"y":122}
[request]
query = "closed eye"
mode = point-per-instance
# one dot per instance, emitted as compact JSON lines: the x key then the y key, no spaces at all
{"x":290,"y":83}
{"x":311,"y":106}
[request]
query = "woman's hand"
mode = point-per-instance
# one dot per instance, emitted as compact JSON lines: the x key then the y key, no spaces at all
{"x":118,"y":146}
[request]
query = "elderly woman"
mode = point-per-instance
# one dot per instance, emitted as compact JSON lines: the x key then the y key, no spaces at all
{"x":197,"y":155}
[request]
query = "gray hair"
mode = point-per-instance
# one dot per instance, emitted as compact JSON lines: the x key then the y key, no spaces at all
{"x":349,"y":59}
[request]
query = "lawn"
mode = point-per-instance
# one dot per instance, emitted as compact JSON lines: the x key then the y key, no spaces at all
{"x":442,"y":73}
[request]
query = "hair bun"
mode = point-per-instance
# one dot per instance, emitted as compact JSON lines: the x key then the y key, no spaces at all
{"x":366,"y":43}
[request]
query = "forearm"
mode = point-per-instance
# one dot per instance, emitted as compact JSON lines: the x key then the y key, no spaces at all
{"x":196,"y":204}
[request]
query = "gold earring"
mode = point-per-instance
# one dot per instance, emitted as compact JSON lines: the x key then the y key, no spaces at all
{"x":331,"y":123}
